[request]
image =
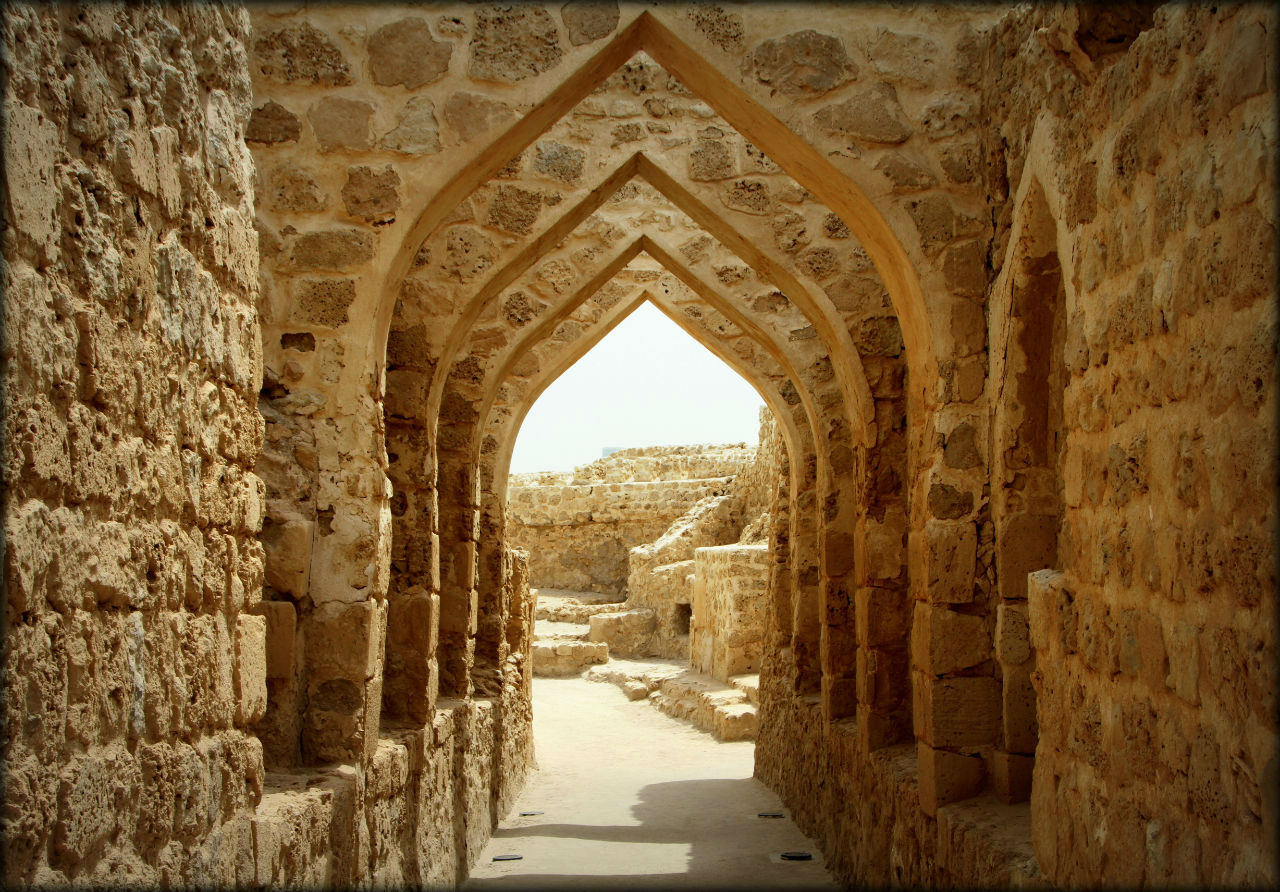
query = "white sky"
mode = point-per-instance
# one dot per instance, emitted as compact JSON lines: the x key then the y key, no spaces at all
{"x":647,"y":383}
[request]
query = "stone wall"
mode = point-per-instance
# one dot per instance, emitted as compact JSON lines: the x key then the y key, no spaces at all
{"x":579,"y":529}
{"x":134,"y":657}
{"x":1135,"y":689}
{"x":730,"y":597}
{"x":1154,"y":644}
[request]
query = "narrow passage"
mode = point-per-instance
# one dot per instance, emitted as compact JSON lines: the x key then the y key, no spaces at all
{"x":630,"y":797}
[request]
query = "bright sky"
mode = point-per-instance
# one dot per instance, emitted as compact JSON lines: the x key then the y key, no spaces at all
{"x":647,"y":383}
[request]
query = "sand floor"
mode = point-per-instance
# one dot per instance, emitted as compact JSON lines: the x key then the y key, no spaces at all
{"x":633,"y":798}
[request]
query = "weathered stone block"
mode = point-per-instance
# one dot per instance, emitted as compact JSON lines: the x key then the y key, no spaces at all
{"x":946,"y":777}
{"x":943,"y":557}
{"x":1018,"y":698}
{"x":251,"y":668}
{"x":954,"y":712}
{"x":589,"y":20}
{"x":323,"y":301}
{"x":871,"y":113}
{"x":513,"y":43}
{"x":404,"y":52}
{"x":805,"y":63}
{"x":471,"y":114}
{"x":882,"y":616}
{"x":340,"y":123}
{"x":329,"y":249}
{"x":944,"y":641}
{"x":1011,"y":776}
{"x":273,"y":123}
{"x":342,"y":641}
{"x":1013,"y":633}
{"x":281,"y":622}
{"x":301,"y":52}
{"x":416,"y":132}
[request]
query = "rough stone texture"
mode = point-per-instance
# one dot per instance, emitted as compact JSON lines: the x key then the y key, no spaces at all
{"x":131,"y":369}
{"x":372,"y":195}
{"x":301,"y":52}
{"x":589,"y":20}
{"x":404,"y":52}
{"x":730,"y":598}
{"x":871,"y":113}
{"x":341,"y":123}
{"x":511,"y":43}
{"x":416,"y":132}
{"x":802,"y":63}
{"x":273,"y":123}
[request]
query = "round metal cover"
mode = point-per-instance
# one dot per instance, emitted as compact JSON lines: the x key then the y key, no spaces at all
{"x":769,"y":814}
{"x":515,"y":857}
{"x":529,"y":814}
{"x":796,"y":856}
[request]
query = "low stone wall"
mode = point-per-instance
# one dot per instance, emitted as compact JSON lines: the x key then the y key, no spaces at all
{"x":730,"y":599}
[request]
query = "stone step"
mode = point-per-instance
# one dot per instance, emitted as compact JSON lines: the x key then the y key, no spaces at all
{"x":558,"y":605}
{"x":749,"y":685}
{"x":548,"y":629}
{"x":725,"y":711}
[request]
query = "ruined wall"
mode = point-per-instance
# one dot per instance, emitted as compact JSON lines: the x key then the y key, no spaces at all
{"x":579,"y":534}
{"x":661,"y":573}
{"x":134,"y":662}
{"x":730,"y":596}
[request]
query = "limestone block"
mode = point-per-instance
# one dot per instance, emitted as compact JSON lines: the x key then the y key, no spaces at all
{"x":372,"y":195}
{"x":946,"y":777}
{"x":281,"y":622}
{"x":954,"y":712}
{"x":711,"y":160}
{"x":871,"y":113}
{"x":343,"y":641}
{"x":586,"y":21}
{"x":944,"y":641}
{"x":510,"y":44}
{"x":404,"y":52}
{"x":881,"y":616}
{"x":288,"y":553}
{"x":417,"y":132}
{"x":1018,"y":698}
{"x":331,"y":249}
{"x":805,"y":63}
{"x":1013,"y":633}
{"x":298,"y":53}
{"x":943,"y":557}
{"x":251,"y":668}
{"x":273,"y":123}
{"x":340,"y":123}
{"x":1047,"y":598}
{"x":885,"y":545}
{"x":560,"y":162}
{"x":628,"y":633}
{"x":904,"y":58}
{"x":471,"y":114}
{"x":1011,"y":776}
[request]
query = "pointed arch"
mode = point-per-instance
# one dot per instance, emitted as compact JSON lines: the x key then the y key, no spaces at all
{"x":794,"y":155}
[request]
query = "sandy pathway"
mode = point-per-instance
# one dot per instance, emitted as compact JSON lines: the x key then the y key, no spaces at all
{"x":631,"y":797}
